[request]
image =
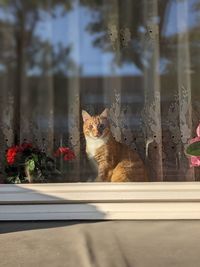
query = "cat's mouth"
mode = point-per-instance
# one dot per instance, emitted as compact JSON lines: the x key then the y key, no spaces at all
{"x":96,"y":137}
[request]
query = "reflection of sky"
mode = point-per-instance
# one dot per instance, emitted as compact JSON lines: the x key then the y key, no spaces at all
{"x":2,"y":68}
{"x":70,"y":29}
{"x":171,"y":20}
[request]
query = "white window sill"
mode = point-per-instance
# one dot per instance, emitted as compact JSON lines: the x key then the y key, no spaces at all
{"x":100,"y":201}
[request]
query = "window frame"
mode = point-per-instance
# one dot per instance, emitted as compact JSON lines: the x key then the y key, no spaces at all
{"x":100,"y":201}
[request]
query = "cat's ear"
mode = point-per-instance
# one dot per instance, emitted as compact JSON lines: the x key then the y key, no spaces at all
{"x":85,"y":115}
{"x":105,"y":113}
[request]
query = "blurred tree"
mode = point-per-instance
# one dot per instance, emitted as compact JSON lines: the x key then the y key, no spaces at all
{"x":122,"y":15}
{"x":22,"y":49}
{"x":130,"y":14}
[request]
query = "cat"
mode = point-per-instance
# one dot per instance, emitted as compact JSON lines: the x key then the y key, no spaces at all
{"x":115,"y":162}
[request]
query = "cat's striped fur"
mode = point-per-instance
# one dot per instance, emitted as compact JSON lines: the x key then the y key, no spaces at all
{"x":115,"y":161}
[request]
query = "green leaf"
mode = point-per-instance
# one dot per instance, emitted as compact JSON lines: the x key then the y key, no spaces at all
{"x":11,"y":179}
{"x":35,"y":157}
{"x":17,"y":180}
{"x":31,"y":164}
{"x":193,"y":149}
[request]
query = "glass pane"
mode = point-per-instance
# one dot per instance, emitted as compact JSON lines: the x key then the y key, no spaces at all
{"x":99,"y":91}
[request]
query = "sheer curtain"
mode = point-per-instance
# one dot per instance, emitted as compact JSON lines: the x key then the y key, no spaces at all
{"x":138,"y":58}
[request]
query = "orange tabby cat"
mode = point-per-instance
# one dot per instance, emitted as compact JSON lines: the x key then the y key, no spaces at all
{"x":115,"y":161}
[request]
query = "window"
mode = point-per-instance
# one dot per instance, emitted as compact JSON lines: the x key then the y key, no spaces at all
{"x":138,"y":59}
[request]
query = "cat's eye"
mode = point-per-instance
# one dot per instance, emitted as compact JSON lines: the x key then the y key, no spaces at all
{"x":90,"y":126}
{"x":101,"y":127}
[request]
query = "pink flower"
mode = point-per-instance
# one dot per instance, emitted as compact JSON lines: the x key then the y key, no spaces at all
{"x":66,"y":152}
{"x":195,"y":160}
{"x":195,"y":139}
{"x":198,"y":130}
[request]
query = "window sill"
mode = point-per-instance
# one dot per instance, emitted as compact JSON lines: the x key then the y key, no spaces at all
{"x":100,"y":201}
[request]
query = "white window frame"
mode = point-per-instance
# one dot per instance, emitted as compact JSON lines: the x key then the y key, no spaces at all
{"x":100,"y":201}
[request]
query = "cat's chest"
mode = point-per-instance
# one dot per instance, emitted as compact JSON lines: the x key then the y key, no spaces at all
{"x":93,"y":144}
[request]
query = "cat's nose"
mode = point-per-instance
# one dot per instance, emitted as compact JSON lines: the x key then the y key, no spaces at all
{"x":96,"y":134}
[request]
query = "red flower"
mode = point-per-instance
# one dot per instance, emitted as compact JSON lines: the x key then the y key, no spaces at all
{"x":12,"y":153}
{"x":66,"y":152}
{"x":14,"y":150}
{"x":25,"y":146}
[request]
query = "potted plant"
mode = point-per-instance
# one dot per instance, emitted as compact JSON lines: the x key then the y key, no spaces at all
{"x":193,"y":149}
{"x":27,"y":163}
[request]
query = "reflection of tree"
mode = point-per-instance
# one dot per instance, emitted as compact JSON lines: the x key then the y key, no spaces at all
{"x":131,"y":14}
{"x":50,"y":59}
{"x":23,"y":50}
{"x":170,"y":44}
{"x":124,"y":14}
